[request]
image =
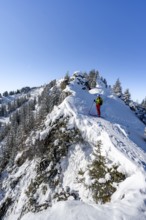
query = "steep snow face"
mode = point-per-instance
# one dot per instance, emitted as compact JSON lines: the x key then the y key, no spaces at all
{"x":113,"y":110}
{"x":120,"y":135}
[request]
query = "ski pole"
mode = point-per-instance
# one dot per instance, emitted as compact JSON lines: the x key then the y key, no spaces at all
{"x":91,"y":107}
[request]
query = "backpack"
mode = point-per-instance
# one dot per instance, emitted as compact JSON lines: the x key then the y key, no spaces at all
{"x":100,"y":101}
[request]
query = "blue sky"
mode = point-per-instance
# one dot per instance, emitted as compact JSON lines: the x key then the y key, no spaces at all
{"x":41,"y":40}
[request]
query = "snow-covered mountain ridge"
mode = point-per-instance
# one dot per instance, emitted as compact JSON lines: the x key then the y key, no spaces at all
{"x":79,"y":166}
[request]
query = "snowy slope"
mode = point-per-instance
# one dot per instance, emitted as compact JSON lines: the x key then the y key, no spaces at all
{"x":11,"y":99}
{"x":121,"y":135}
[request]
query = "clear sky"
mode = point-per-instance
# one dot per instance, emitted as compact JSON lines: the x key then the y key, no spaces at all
{"x":41,"y":40}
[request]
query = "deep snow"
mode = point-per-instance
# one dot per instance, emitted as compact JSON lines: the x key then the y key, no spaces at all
{"x":121,"y":134}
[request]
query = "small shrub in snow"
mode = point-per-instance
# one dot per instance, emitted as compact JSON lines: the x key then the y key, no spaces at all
{"x":81,"y":173}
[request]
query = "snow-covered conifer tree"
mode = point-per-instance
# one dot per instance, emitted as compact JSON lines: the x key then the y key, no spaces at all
{"x":3,"y":111}
{"x":143,"y":104}
{"x":92,"y":78}
{"x":126,"y":96}
{"x":5,"y":94}
{"x":65,"y":82}
{"x":117,"y":88}
{"x":105,"y":82}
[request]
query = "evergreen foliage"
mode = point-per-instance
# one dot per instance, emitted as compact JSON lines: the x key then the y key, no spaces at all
{"x":49,"y":153}
{"x":5,"y":94}
{"x":143,"y":104}
{"x":24,"y":118}
{"x":117,"y":88}
{"x":22,"y":134}
{"x":126,"y":97}
{"x":92,"y":77}
{"x":105,"y":82}
{"x":102,"y":177}
{"x":65,"y":82}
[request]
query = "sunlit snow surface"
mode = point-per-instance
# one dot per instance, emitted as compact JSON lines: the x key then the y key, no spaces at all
{"x":121,"y":134}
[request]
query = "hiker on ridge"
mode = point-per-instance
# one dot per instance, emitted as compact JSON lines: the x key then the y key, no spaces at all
{"x":98,"y":102}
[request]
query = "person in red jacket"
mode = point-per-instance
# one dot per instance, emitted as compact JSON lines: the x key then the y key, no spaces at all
{"x":98,"y":102}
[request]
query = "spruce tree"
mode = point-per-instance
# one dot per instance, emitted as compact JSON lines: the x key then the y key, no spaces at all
{"x":143,"y":104}
{"x":117,"y":88}
{"x":126,"y":96}
{"x":5,"y":94}
{"x":92,"y":78}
